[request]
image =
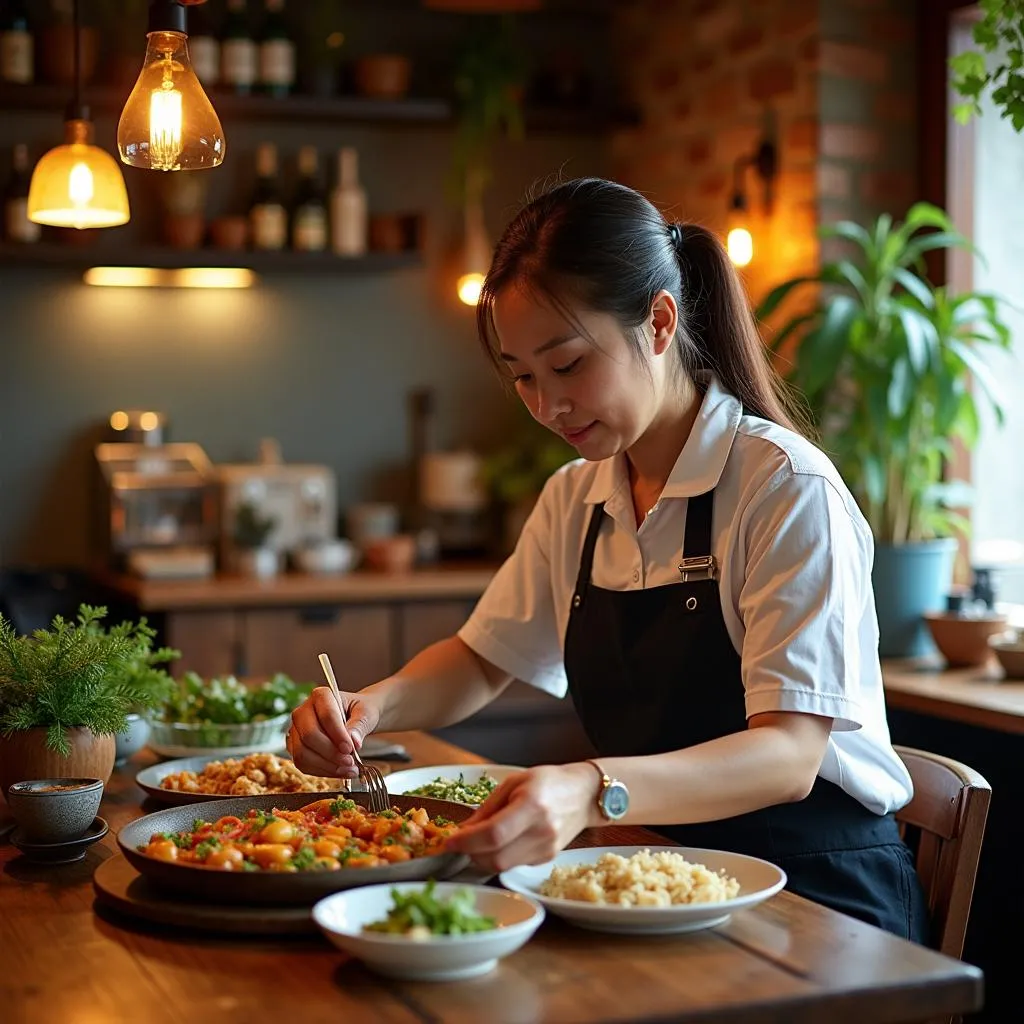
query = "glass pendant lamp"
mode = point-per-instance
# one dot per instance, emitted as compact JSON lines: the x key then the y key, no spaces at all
{"x":168,"y":122}
{"x":78,"y":185}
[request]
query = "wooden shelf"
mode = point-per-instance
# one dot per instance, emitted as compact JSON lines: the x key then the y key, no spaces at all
{"x":79,"y":257}
{"x":16,"y":99}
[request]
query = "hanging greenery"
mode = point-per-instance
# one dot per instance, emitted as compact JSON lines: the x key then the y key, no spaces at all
{"x":1000,"y":30}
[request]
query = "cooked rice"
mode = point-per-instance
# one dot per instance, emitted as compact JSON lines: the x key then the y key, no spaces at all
{"x":643,"y":880}
{"x":253,"y":775}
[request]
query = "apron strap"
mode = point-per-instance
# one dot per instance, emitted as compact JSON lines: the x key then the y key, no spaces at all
{"x":587,"y":556}
{"x":698,"y":562}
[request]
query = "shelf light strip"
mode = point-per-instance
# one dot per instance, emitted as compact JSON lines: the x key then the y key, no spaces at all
{"x":185,"y":277}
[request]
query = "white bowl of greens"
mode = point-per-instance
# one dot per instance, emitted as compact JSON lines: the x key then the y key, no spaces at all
{"x":224,"y":717}
{"x":463,"y":783}
{"x":437,"y":931}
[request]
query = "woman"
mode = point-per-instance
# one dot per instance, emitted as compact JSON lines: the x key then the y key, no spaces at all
{"x":699,"y":581}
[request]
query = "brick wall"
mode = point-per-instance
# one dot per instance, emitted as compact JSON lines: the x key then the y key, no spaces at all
{"x":832,"y":80}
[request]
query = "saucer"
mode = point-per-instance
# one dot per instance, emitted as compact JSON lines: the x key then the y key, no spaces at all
{"x":60,"y":853}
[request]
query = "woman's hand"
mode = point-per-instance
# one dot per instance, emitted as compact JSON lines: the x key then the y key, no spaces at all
{"x":530,"y":817}
{"x":319,"y":740}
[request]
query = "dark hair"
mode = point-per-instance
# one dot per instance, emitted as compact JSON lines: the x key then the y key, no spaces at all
{"x":607,"y":247}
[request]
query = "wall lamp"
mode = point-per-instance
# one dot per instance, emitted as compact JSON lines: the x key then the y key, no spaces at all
{"x":765,"y":161}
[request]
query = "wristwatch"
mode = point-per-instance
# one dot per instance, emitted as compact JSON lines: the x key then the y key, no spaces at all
{"x":613,"y":797}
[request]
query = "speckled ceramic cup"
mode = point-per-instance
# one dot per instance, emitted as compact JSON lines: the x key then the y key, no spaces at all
{"x":54,"y":810}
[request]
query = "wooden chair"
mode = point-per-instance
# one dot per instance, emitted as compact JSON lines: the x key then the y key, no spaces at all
{"x":944,"y":824}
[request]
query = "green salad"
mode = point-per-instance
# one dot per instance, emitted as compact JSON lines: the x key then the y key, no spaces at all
{"x":459,"y":789}
{"x":419,"y":914}
{"x":226,"y":701}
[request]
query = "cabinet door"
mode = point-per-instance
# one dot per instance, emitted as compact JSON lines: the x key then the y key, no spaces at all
{"x":358,"y":639}
{"x":421,"y":623}
{"x":208,"y":641}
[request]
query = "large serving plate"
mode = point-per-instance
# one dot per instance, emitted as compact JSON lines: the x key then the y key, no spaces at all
{"x":252,"y":887}
{"x":149,"y":779}
{"x":759,"y":880}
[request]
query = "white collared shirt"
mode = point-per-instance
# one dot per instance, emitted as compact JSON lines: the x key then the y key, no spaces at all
{"x":794,"y":555}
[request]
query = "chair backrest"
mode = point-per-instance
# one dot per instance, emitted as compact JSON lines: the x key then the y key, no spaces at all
{"x":945,"y":823}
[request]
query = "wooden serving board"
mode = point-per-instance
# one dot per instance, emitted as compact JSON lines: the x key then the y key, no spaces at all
{"x":119,"y":886}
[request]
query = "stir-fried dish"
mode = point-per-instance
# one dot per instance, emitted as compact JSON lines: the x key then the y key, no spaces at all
{"x":322,"y":836}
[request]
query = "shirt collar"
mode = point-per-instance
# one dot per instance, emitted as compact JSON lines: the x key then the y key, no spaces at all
{"x":702,"y":460}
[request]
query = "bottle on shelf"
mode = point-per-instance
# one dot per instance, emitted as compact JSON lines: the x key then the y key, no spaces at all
{"x":309,"y":214}
{"x":239,"y":54}
{"x":277,"y":52}
{"x":203,"y":46}
{"x":17,"y":226}
{"x":16,"y":44}
{"x":349,"y":216}
{"x":268,"y":219}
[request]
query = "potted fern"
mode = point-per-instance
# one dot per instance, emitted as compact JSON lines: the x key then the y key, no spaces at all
{"x":892,"y":369}
{"x":67,"y":691}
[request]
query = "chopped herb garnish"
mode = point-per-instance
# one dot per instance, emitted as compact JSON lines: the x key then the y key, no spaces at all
{"x":387,"y":814}
{"x":337,"y":806}
{"x":442,"y":822}
{"x":206,"y":847}
{"x":182,"y":842}
{"x":304,"y":858}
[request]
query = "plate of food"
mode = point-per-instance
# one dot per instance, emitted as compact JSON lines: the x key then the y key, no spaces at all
{"x":468,"y":784}
{"x":192,"y":780}
{"x":224,"y":717}
{"x":289,"y":848}
{"x":433,"y":932}
{"x":647,"y":890}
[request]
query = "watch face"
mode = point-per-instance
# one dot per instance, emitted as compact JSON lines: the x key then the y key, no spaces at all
{"x":615,"y":800}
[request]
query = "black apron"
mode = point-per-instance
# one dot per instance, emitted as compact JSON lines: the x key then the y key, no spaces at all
{"x":655,"y":670}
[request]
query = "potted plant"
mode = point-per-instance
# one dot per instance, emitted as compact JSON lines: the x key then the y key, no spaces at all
{"x":516,"y":473}
{"x":891,"y":368}
{"x":999,"y":31}
{"x":67,"y":691}
{"x":153,"y":687}
{"x":254,"y":557}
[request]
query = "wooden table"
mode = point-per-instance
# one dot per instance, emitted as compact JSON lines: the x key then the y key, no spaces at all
{"x":975,"y":696}
{"x":788,"y":960}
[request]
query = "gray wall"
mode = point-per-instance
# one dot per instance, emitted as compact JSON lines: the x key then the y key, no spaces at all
{"x":322,"y":364}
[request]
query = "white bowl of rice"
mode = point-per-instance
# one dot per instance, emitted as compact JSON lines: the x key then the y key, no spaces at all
{"x":647,"y":890}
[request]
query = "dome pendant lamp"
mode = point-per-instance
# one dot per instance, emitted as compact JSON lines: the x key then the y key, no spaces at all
{"x":168,"y":122}
{"x":78,"y":185}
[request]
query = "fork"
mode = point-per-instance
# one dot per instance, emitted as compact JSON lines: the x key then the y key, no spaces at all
{"x":368,"y":773}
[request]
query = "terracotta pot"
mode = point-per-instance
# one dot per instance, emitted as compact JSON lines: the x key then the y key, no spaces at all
{"x":383,"y":76}
{"x":184,"y":231}
{"x":26,"y":756}
{"x":56,"y":53}
{"x":230,"y":233}
{"x":964,"y":641}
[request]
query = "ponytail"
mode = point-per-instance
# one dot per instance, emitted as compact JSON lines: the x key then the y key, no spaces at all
{"x":608,"y":248}
{"x":720,"y":332}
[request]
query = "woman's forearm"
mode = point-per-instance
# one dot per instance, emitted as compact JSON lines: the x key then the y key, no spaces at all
{"x":774,"y":761}
{"x":441,"y":685}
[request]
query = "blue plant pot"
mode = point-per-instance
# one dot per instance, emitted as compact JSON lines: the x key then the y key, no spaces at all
{"x":909,"y":580}
{"x":132,"y":740}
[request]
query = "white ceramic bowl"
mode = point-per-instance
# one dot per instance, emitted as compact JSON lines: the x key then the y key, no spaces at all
{"x":413,"y":778}
{"x":342,"y":917}
{"x":328,"y":557}
{"x":758,"y":880}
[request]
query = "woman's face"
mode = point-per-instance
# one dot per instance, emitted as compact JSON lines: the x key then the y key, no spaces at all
{"x":591,"y":388}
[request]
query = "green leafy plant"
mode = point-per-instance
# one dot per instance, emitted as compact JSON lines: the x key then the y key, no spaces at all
{"x":79,"y":674}
{"x":519,"y":470}
{"x":1000,"y":30}
{"x":490,"y":79}
{"x":252,"y":528}
{"x":886,"y":361}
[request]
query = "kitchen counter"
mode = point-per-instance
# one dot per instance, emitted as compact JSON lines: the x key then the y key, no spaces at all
{"x":454,"y":580}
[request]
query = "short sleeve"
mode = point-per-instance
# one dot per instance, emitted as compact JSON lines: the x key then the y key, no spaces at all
{"x":805,"y":602}
{"x":514,"y":625}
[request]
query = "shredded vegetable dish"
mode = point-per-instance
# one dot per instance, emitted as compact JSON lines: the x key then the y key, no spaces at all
{"x":459,"y":789}
{"x":322,"y":836}
{"x":420,"y":914}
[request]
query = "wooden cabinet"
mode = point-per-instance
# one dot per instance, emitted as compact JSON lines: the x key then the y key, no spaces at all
{"x":357,"y":637}
{"x":366,"y":642}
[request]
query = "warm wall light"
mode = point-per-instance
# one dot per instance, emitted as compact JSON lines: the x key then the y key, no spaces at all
{"x":168,"y":123}
{"x":186,"y":277}
{"x":740,"y":242}
{"x":476,"y":256}
{"x":77,"y":185}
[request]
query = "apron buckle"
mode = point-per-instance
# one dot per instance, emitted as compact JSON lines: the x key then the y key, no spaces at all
{"x":703,"y":567}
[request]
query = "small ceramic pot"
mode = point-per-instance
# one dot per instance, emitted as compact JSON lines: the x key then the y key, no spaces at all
{"x":962,"y":640}
{"x":132,"y":740}
{"x":391,"y":554}
{"x":383,"y":76}
{"x":259,"y":562}
{"x":54,"y":810}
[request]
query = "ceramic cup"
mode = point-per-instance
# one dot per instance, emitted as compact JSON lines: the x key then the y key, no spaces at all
{"x":54,"y":810}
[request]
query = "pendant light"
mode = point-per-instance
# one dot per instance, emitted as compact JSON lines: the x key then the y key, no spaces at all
{"x":476,"y":260}
{"x":168,"y":123}
{"x":78,"y":185}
